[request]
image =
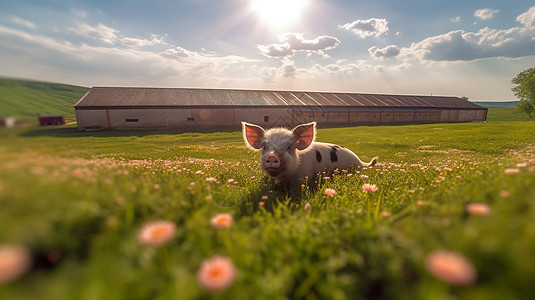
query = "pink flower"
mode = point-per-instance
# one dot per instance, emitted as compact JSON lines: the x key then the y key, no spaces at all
{"x":307,"y":207}
{"x":369,"y":187}
{"x":363,"y":176}
{"x":264,"y":197}
{"x":156,"y":233}
{"x":478,"y":209}
{"x":216,"y":273}
{"x":330,"y":192}
{"x":221,"y":220}
{"x":511,"y":171}
{"x":521,"y":165}
{"x":451,"y":267}
{"x":14,"y":261}
{"x":212,"y":179}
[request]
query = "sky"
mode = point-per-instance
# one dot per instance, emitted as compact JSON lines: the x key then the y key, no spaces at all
{"x":449,"y":48}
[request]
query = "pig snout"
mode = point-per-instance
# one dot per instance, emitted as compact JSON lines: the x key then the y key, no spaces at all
{"x":272,"y":161}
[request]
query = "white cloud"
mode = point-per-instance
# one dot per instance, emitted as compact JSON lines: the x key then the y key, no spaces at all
{"x":100,"y":33}
{"x":387,"y":52}
{"x":367,"y":28}
{"x":290,"y":43}
{"x":460,"y":45}
{"x":485,"y":13}
{"x":137,"y":43}
{"x":527,"y":18}
{"x":456,"y":19}
{"x":22,"y":22}
{"x":111,"y":65}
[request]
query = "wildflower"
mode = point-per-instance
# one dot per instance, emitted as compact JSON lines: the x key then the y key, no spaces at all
{"x":478,"y":209}
{"x":505,"y":194}
{"x":264,"y":197}
{"x":385,"y":214}
{"x":261,"y":203}
{"x":363,"y":176}
{"x":216,"y":273}
{"x":451,"y":267}
{"x":14,"y":261}
{"x":307,"y":206}
{"x":521,"y":165}
{"x":511,"y":171}
{"x":369,"y":187}
{"x":212,"y":179}
{"x":330,"y":192}
{"x":156,"y":233}
{"x":221,"y":220}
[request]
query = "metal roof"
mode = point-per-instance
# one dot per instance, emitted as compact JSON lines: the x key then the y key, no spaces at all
{"x":126,"y":97}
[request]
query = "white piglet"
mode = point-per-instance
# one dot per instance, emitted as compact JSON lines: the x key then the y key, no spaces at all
{"x":292,"y":156}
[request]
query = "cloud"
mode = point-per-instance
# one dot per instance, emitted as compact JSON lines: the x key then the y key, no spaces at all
{"x":100,"y":33}
{"x":137,"y":42}
{"x":456,"y":19}
{"x":387,"y":52}
{"x":290,"y":43}
{"x":485,"y":13}
{"x":460,"y":45}
{"x":22,"y":22}
{"x":104,"y":64}
{"x":527,"y":18}
{"x":367,"y":28}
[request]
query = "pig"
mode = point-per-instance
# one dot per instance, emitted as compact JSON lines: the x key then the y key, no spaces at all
{"x":291,"y":156}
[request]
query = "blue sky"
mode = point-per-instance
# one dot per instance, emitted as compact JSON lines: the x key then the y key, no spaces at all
{"x":458,"y":48}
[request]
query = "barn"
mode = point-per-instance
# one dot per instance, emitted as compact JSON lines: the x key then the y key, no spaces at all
{"x":166,"y":108}
{"x":46,"y":120}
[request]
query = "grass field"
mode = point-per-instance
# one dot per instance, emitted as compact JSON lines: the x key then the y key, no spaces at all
{"x":77,"y":202}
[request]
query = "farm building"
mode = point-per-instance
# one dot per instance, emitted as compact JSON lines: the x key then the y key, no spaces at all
{"x":161,"y":108}
{"x":45,"y":120}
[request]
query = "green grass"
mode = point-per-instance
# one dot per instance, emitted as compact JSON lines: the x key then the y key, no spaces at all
{"x":82,"y":198}
{"x":505,"y":114}
{"x":28,"y":99}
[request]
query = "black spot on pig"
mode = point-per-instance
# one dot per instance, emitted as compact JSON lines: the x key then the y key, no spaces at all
{"x":318,"y":156}
{"x":334,"y":157}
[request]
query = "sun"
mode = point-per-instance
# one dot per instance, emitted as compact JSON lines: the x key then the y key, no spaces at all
{"x":278,"y":13}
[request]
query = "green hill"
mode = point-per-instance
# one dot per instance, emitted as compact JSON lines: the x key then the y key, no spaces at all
{"x":26,"y":99}
{"x":495,"y":104}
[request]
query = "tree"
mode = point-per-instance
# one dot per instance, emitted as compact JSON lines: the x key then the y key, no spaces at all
{"x":525,"y":91}
{"x":465,"y":98}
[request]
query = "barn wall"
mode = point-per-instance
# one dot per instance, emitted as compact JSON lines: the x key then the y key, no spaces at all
{"x":365,"y":117}
{"x":176,"y":118}
{"x":155,"y":118}
{"x":462,"y":115}
{"x":85,"y":118}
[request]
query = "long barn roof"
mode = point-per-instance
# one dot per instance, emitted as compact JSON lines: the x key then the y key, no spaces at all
{"x":123,"y":97}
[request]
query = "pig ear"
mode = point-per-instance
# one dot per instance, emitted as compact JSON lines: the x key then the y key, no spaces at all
{"x":253,"y":135}
{"x":304,"y":135}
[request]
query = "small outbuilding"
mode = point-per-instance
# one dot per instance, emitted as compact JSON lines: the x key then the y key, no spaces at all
{"x":8,"y":122}
{"x":163,"y":108}
{"x":46,"y":120}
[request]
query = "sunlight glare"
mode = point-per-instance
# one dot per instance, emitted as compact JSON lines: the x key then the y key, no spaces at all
{"x":278,"y":12}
